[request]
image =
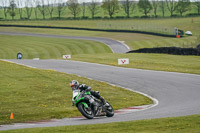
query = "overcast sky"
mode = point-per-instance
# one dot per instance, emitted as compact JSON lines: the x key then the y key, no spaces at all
{"x":6,"y":2}
{"x":56,"y":1}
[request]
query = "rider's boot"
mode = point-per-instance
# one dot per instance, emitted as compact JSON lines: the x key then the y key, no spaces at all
{"x":95,"y":108}
{"x":104,"y":102}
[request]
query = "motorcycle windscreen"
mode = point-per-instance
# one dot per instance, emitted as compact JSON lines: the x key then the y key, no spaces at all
{"x":75,"y":93}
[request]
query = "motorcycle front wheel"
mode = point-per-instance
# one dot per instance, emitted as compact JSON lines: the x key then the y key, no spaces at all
{"x":109,"y":111}
{"x":87,"y":112}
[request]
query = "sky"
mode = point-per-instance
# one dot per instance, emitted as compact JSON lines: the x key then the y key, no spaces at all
{"x":53,"y":1}
{"x":6,"y":2}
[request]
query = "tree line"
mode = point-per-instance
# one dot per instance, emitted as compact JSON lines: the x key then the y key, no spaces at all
{"x":111,"y":7}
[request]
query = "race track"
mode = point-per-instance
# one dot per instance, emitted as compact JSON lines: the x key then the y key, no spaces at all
{"x":177,"y":93}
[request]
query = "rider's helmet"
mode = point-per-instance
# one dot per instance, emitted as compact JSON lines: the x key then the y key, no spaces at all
{"x":74,"y":84}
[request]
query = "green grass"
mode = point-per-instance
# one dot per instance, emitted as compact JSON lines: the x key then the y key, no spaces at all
{"x":135,"y":41}
{"x":34,"y":94}
{"x":89,"y":51}
{"x":161,"y":62}
{"x":186,"y":124}
{"x":165,"y":24}
{"x":47,"y":48}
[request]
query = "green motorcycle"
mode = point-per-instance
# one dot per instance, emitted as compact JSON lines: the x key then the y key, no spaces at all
{"x":84,"y":101}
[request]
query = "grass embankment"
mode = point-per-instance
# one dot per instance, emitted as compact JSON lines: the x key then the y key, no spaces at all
{"x":47,"y":48}
{"x":135,"y":41}
{"x":161,"y":62}
{"x":163,"y":24}
{"x":186,"y":124}
{"x":34,"y":94}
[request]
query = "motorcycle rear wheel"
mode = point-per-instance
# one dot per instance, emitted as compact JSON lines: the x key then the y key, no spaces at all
{"x":86,"y":112}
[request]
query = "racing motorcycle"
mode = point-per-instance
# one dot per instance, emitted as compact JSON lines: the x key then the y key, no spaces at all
{"x":87,"y":107}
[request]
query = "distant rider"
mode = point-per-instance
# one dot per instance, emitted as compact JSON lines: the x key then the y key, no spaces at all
{"x":76,"y":87}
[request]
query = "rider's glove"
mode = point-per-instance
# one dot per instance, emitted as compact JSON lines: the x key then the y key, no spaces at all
{"x":97,"y":92}
{"x":88,"y":89}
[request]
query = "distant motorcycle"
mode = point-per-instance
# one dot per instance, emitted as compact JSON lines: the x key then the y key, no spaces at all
{"x":86,"y":108}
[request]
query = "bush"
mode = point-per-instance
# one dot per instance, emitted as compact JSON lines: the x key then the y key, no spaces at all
{"x":106,"y":17}
{"x":120,"y":17}
{"x":85,"y":17}
{"x":145,"y":17}
{"x":99,"y":17}
{"x":24,"y":18}
{"x":198,"y":46}
{"x":136,"y":17}
{"x":57,"y":18}
{"x":175,"y":15}
{"x":192,"y":14}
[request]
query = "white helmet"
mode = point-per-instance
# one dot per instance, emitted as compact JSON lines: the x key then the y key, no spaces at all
{"x":74,"y":84}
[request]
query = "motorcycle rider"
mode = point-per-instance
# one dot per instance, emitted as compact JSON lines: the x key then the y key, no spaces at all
{"x":76,"y":87}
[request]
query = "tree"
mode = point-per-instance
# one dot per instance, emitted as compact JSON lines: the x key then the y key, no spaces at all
{"x":20,"y":9}
{"x":42,"y":8}
{"x":12,"y":9}
{"x":171,"y":6}
{"x":145,"y":6}
{"x":5,"y":7}
{"x":111,"y":6}
{"x":128,"y":6}
{"x":93,"y":7}
{"x":183,"y":6}
{"x":29,"y":8}
{"x":83,"y":9}
{"x":60,"y":7}
{"x":155,"y":6}
{"x":35,"y":4}
{"x":197,"y":4}
{"x":162,"y":6}
{"x":74,"y":7}
{"x":50,"y":7}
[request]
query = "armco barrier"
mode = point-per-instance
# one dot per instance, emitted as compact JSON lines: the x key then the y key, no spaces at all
{"x":169,"y":50}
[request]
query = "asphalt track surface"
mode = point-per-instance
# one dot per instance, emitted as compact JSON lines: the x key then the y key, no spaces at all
{"x":177,"y":93}
{"x":115,"y":46}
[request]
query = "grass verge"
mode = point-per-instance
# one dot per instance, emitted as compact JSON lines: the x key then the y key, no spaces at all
{"x":160,"y":62}
{"x":47,"y":48}
{"x":186,"y":124}
{"x":34,"y":94}
{"x":164,"y":24}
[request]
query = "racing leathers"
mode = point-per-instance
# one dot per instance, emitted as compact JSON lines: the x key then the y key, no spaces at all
{"x":94,"y":93}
